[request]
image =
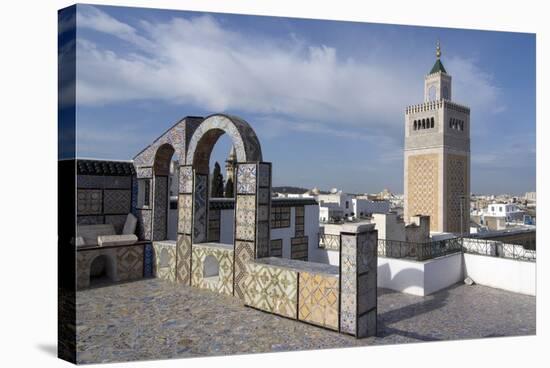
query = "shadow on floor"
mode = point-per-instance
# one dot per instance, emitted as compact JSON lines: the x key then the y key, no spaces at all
{"x":50,"y":349}
{"x":425,"y":305}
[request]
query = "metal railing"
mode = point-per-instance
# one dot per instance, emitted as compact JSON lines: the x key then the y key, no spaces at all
{"x":433,"y":249}
{"x":498,"y":249}
{"x":329,"y":241}
{"x":438,"y":248}
{"x":396,"y":248}
{"x":418,"y":251}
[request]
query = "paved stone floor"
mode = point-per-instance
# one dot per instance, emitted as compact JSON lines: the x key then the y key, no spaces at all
{"x":154,"y":319}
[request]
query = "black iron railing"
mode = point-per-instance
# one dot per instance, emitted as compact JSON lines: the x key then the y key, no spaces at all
{"x":498,"y":249}
{"x":418,"y":251}
{"x":433,"y":249}
{"x":329,"y":241}
{"x":396,"y":248}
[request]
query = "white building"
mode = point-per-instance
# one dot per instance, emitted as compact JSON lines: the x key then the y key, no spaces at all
{"x":510,"y":212}
{"x":337,"y":205}
{"x":330,"y":212}
{"x":367,"y":207}
{"x":531,"y":196}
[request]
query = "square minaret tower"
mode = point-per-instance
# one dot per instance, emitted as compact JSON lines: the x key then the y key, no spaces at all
{"x":437,"y":156}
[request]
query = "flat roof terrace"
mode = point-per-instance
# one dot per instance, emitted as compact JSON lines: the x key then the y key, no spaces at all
{"x":155,"y":319}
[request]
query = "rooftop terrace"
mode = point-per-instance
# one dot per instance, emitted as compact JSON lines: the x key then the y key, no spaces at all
{"x":154,"y":319}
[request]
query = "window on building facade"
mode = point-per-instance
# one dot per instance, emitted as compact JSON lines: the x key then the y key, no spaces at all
{"x":280,"y":217}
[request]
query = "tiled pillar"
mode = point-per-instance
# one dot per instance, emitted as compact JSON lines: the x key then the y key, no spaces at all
{"x":185,"y":224}
{"x":148,"y":260}
{"x":252,"y":217}
{"x":144,"y":213}
{"x":200,"y":208}
{"x":192,"y":218}
{"x":160,"y":207}
{"x":358,"y":276}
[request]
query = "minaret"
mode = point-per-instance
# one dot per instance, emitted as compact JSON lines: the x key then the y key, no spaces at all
{"x":437,"y":155}
{"x":230,"y":164}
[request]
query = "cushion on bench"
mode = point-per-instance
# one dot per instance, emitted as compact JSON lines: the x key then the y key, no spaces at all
{"x":127,"y":239}
{"x":90,"y":232}
{"x":130,"y":225}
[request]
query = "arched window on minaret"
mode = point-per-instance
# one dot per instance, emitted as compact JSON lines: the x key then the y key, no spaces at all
{"x":433,"y":123}
{"x":414,"y":125}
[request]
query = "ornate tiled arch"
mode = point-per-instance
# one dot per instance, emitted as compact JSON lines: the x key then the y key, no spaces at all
{"x":252,"y":217}
{"x":247,"y":145}
{"x":175,"y":137}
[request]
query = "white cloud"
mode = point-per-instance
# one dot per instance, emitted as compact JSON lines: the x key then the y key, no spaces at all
{"x":197,"y":61}
{"x":474,"y":87}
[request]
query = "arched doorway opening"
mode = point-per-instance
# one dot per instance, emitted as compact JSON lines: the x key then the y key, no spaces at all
{"x":211,"y":269}
{"x":252,"y":194}
{"x":164,"y":180}
{"x":102,"y":270}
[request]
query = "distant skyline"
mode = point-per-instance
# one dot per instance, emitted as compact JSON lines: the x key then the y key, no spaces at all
{"x":326,"y":98}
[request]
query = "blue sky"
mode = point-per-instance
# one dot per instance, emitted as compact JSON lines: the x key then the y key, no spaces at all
{"x":326,"y":98}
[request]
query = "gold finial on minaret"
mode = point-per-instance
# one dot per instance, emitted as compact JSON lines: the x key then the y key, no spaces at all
{"x":438,"y":50}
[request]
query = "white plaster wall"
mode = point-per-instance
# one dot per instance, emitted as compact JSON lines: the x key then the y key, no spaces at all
{"x":319,"y":255}
{"x":401,"y":275}
{"x":389,"y":227}
{"x":501,"y":273}
{"x":420,"y":278}
{"x":443,"y":272}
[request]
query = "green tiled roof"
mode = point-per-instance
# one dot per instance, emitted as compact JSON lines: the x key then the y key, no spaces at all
{"x":438,"y":67}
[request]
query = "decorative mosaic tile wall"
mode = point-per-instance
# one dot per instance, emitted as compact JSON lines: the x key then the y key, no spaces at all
{"x":272,"y":289}
{"x":103,"y":200}
{"x":148,"y":258}
{"x":457,"y":186}
{"x":223,"y":282}
{"x":185,"y":224}
{"x":160,"y":209}
{"x":252,"y":218}
{"x":164,"y":265}
{"x":358,"y":276}
{"x":128,"y":263}
{"x":318,"y":299}
{"x":200,"y":208}
{"x":423,"y":188}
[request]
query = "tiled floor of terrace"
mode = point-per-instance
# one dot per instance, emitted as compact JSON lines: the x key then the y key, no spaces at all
{"x":154,"y":319}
